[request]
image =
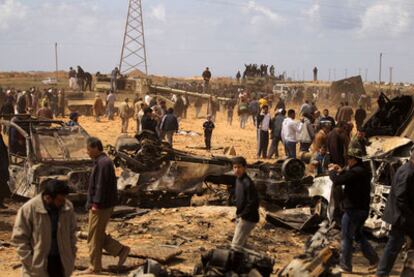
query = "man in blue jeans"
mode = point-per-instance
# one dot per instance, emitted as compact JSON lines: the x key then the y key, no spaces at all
{"x":356,"y":180}
{"x":290,"y":130}
{"x":399,"y":212}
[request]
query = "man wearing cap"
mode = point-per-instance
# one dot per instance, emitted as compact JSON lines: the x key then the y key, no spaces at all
{"x":247,"y":204}
{"x":356,"y":180}
{"x":44,"y":233}
{"x":399,"y":212}
{"x":73,"y":119}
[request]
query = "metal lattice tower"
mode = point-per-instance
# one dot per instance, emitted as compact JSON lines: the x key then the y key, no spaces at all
{"x":134,"y":54}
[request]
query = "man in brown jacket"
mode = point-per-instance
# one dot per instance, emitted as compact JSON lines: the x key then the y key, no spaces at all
{"x":44,"y":233}
{"x":98,"y":108}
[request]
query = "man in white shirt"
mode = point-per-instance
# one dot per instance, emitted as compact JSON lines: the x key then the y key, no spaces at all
{"x":263,"y":126}
{"x":290,"y":130}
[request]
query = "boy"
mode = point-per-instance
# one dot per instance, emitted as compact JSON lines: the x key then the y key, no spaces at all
{"x":208,"y":127}
{"x":247,"y":204}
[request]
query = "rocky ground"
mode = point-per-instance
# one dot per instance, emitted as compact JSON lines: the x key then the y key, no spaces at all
{"x":193,"y":230}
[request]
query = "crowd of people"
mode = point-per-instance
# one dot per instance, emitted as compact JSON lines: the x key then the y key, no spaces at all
{"x":46,"y":103}
{"x":325,"y":140}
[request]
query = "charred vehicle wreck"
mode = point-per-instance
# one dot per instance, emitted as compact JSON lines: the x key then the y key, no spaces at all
{"x":154,"y":169}
{"x":39,"y":149}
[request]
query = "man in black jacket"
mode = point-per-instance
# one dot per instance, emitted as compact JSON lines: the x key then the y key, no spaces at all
{"x":360,"y":115}
{"x":357,"y":181}
{"x":247,"y":203}
{"x":169,"y":126}
{"x":102,"y":197}
{"x":148,"y":122}
{"x":399,"y":212}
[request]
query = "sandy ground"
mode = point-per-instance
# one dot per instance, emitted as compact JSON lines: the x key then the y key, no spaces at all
{"x":190,"y":222}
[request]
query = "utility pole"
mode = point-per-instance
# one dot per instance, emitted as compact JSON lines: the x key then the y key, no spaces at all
{"x":366,"y":74}
{"x":380,"y":70}
{"x":133,"y":53}
{"x":391,"y":75}
{"x":56,"y":61}
{"x":329,"y":75}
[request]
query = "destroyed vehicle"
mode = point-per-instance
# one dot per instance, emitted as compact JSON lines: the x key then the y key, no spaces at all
{"x":39,"y":149}
{"x":152,"y":168}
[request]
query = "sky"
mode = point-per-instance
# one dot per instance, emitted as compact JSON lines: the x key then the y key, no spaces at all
{"x":343,"y":37}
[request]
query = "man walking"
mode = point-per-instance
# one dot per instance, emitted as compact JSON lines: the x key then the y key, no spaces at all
{"x":169,"y":126}
{"x":102,"y":197}
{"x":45,"y":233}
{"x":356,"y":199}
{"x":263,"y":125}
{"x":276,"y":133}
{"x":399,"y":212}
{"x":247,"y":204}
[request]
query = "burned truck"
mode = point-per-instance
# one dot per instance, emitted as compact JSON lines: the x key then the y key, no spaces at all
{"x":154,"y":169}
{"x":39,"y":149}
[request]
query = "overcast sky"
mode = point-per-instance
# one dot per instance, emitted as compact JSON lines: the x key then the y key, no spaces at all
{"x":184,"y":36}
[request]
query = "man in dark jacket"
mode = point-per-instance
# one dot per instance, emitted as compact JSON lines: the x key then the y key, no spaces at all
{"x":208,"y":127}
{"x":336,"y":143}
{"x":247,"y":204}
{"x":355,"y":203}
{"x":148,"y":122}
{"x":102,"y":197}
{"x":169,"y":126}
{"x":276,"y":133}
{"x":360,"y":115}
{"x":399,"y":212}
{"x":327,"y":119}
